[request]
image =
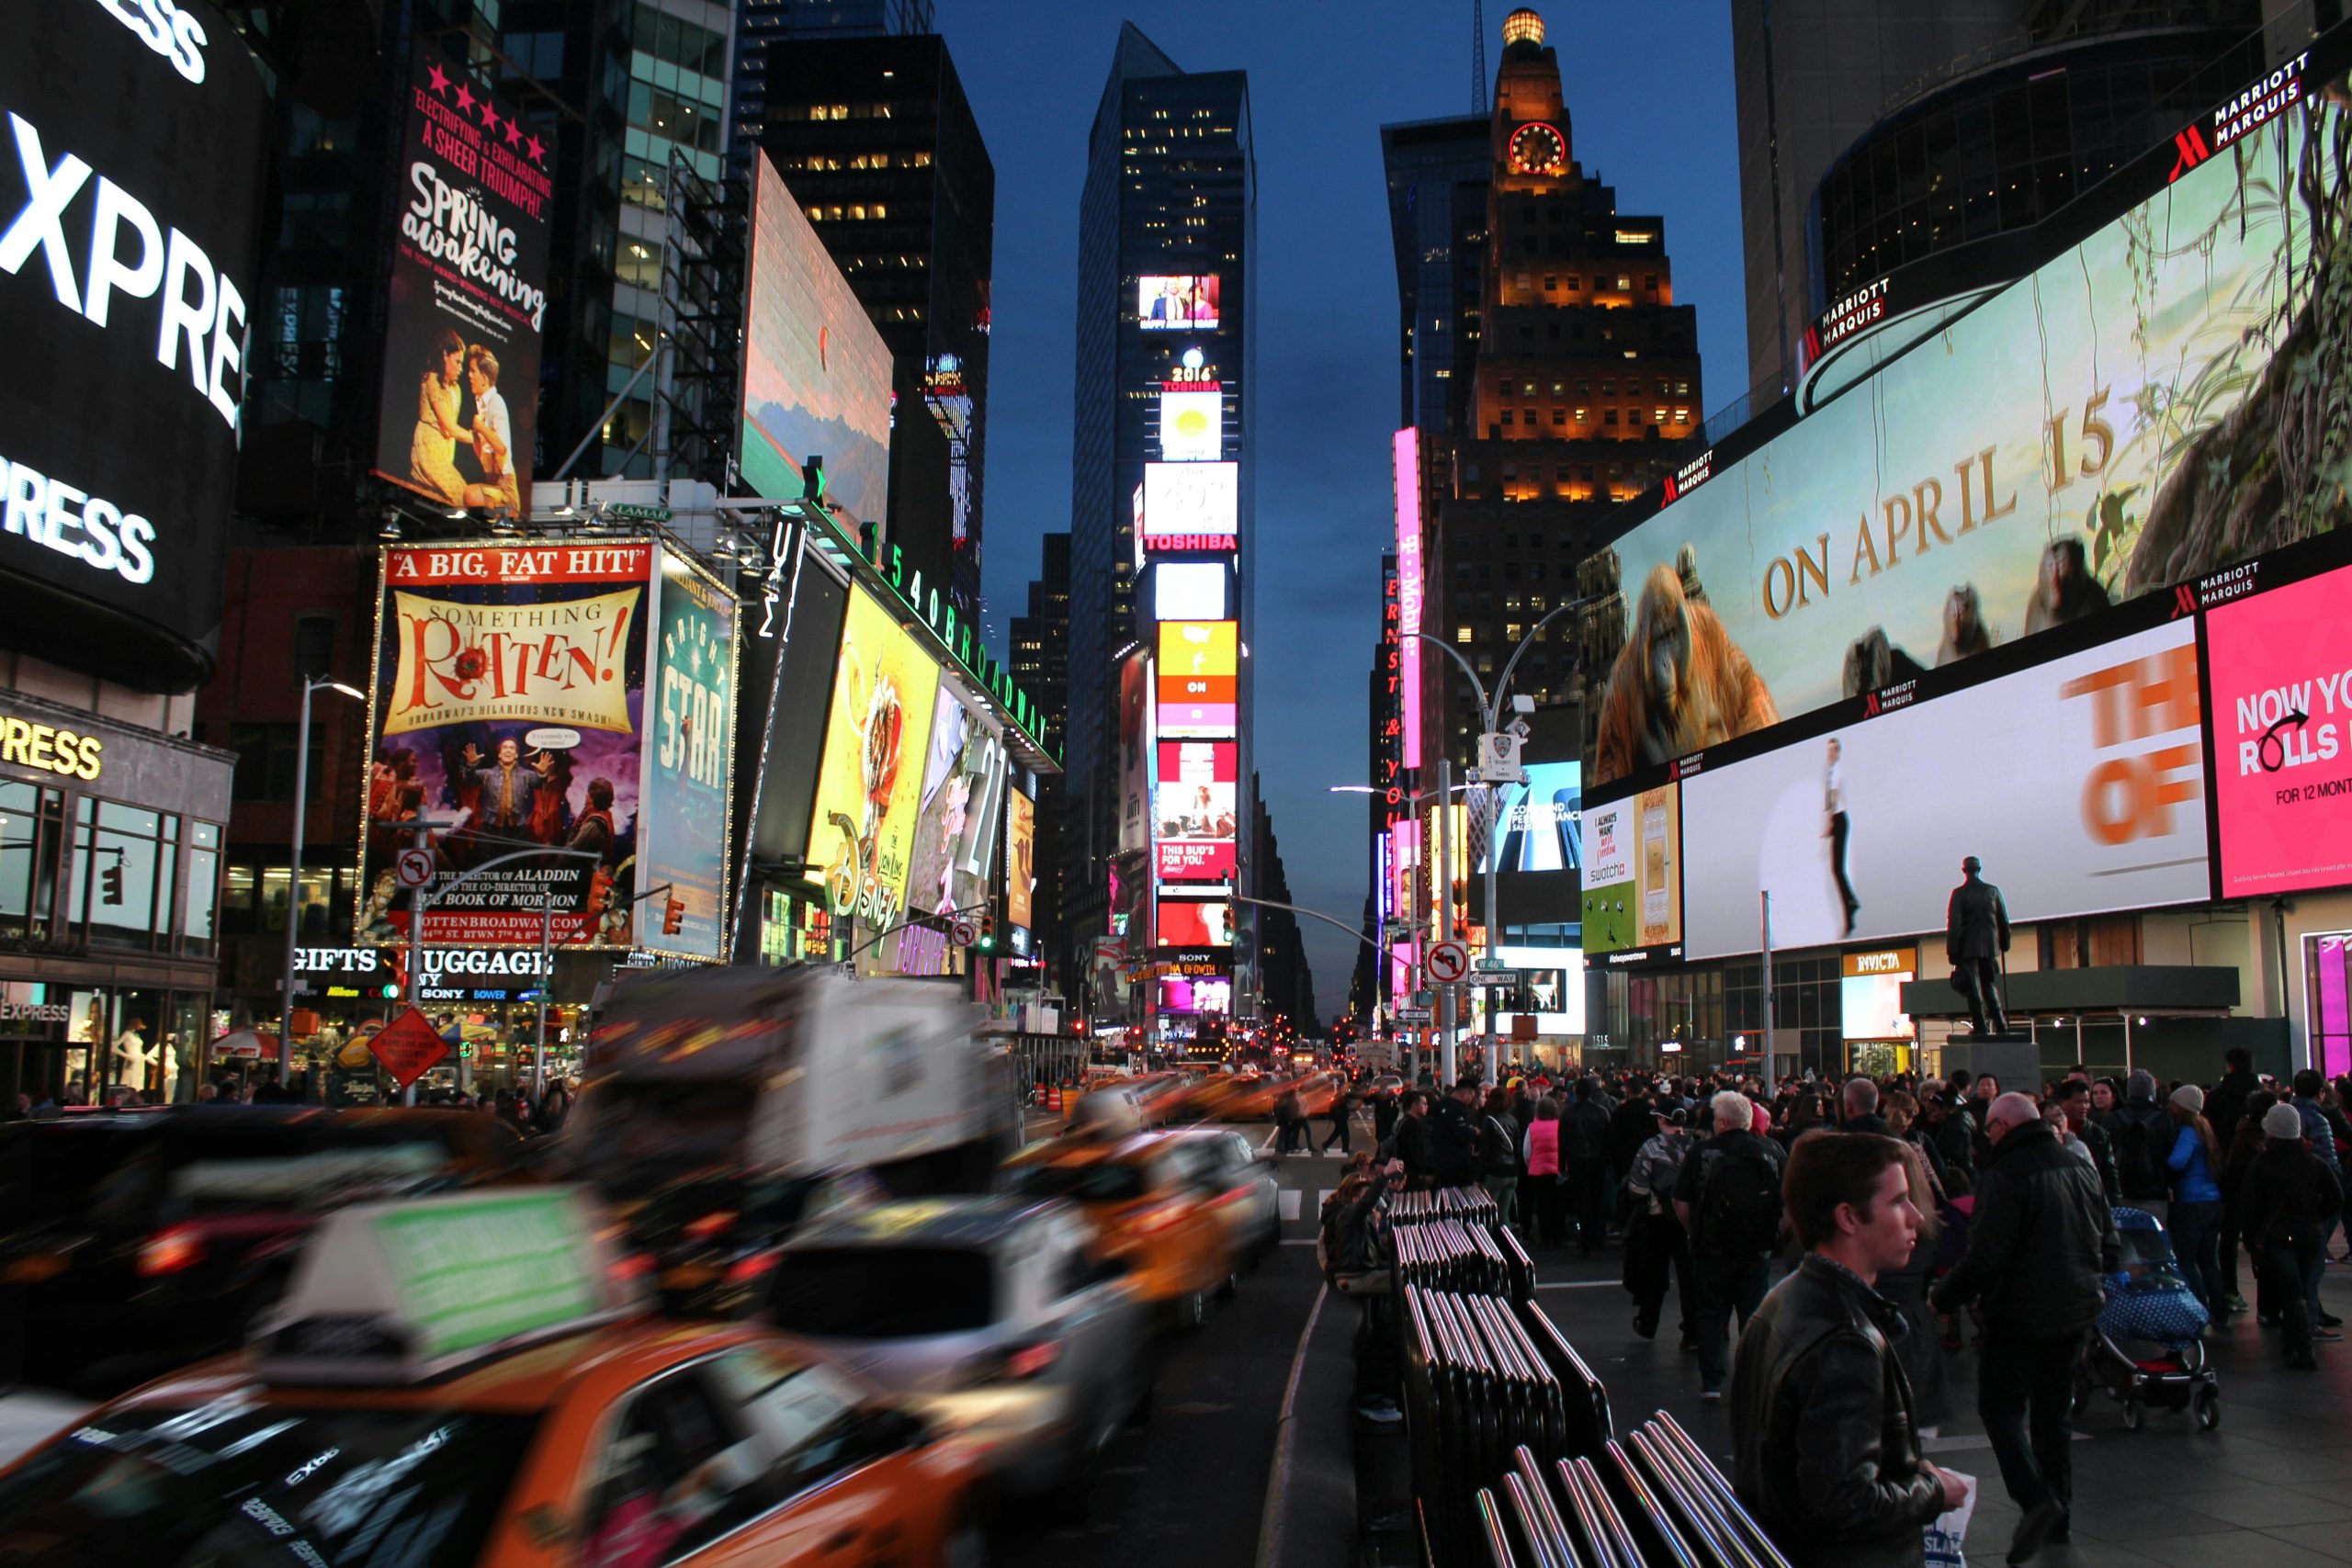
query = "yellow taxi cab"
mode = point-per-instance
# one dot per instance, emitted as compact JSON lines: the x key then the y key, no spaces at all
{"x":1152,"y":1206}
{"x":464,"y":1380}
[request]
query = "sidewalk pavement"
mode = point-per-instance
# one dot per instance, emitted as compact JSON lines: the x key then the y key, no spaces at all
{"x":2271,"y":1488}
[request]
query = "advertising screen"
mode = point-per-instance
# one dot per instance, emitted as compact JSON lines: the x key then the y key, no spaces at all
{"x":2281,"y":663}
{"x":1199,"y":995}
{"x":1197,"y":802}
{"x":1554,"y":990}
{"x":1198,"y":680}
{"x":955,"y":832}
{"x":508,"y":712}
{"x":1870,"y":994}
{"x":1405,"y":457}
{"x":1134,"y":754}
{"x":2099,"y":806}
{"x":130,"y":201}
{"x":2099,"y":428}
{"x":1189,"y":502}
{"x":816,"y":374}
{"x":1186,"y":923}
{"x":1163,"y":304}
{"x":869,"y":787}
{"x":467,"y":296}
{"x":1537,"y":828}
{"x":1020,"y":859}
{"x":1191,"y":427}
{"x":1188,"y":591}
{"x":690,"y":768}
{"x":1632,"y":873}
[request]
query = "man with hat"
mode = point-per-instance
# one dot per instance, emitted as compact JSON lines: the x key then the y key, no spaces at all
{"x":1654,"y":1236}
{"x":1977,"y":932}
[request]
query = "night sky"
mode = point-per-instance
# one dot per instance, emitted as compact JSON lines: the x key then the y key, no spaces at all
{"x":1650,"y":100}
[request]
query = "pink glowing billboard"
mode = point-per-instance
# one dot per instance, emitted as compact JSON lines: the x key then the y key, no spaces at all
{"x":1408,"y":456}
{"x":2282,"y":718}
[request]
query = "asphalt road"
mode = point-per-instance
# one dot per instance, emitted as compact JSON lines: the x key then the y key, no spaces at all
{"x":1188,"y":1486}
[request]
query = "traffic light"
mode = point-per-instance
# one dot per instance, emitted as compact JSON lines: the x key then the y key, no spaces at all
{"x":110,"y":881}
{"x":988,"y":933}
{"x":674,"y":914}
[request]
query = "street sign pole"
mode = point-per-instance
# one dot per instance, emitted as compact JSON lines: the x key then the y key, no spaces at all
{"x":1442,"y":883}
{"x":417,"y":899}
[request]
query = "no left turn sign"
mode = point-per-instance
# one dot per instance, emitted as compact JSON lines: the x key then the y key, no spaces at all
{"x":1449,"y":961}
{"x":415,"y":867}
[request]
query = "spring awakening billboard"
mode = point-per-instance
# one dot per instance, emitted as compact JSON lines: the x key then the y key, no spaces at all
{"x":2145,"y":408}
{"x":507,"y":712}
{"x":816,"y":374}
{"x":869,"y":785}
{"x":688,"y":760}
{"x":468,"y":295}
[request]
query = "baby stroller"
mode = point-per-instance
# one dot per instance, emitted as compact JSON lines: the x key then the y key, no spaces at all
{"x":2147,"y":1348}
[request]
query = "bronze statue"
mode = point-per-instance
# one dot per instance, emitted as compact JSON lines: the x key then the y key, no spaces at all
{"x":1977,"y":932}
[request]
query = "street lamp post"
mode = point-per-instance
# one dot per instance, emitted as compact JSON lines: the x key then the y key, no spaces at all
{"x":294,"y":877}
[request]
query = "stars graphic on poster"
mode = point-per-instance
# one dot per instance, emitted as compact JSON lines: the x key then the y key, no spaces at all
{"x":440,"y":81}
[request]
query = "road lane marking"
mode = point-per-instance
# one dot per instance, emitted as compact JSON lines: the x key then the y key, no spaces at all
{"x":1290,"y":1197}
{"x":1272,"y":1521}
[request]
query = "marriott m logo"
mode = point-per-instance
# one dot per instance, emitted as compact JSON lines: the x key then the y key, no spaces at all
{"x":2183,"y":601}
{"x":1869,"y":705}
{"x":2190,"y":150}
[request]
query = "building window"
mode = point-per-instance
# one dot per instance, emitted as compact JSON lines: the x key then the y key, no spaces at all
{"x":265,"y":763}
{"x":313,"y":646}
{"x":1559,"y":417}
{"x":125,"y":862}
{"x":1462,"y":634}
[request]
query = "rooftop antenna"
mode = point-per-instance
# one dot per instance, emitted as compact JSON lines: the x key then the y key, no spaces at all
{"x":1477,"y":56}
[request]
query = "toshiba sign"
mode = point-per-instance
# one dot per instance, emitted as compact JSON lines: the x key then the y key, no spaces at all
{"x":132,"y":159}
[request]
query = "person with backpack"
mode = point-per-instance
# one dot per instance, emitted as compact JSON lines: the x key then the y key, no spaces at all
{"x":1728,"y":1199}
{"x":2139,"y":1132}
{"x":1654,"y":1238}
{"x":2289,"y":1202}
{"x":1498,"y":1155}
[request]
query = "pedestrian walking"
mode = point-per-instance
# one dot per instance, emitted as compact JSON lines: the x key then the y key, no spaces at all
{"x":1728,"y":1199}
{"x":1540,"y":1153}
{"x":2239,"y":1151}
{"x":1499,"y":1139}
{"x":1343,"y":1111}
{"x":2195,"y":1162}
{"x":2290,"y":1201}
{"x":1454,"y":1137}
{"x":2141,"y":1133}
{"x":1584,"y":1143}
{"x":1825,"y":1442}
{"x":1290,"y":1119}
{"x":1655,"y":1244}
{"x":1385,"y":1106}
{"x":2039,"y":1243}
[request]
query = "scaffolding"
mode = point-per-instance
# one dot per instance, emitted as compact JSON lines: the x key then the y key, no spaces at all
{"x":697,"y":395}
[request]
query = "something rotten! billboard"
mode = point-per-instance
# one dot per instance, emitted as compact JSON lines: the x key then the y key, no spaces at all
{"x":507,"y":715}
{"x":467,"y":296}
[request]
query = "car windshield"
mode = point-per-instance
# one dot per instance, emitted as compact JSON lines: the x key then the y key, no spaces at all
{"x":1102,"y":1182}
{"x":239,"y":1483}
{"x":884,"y":1292}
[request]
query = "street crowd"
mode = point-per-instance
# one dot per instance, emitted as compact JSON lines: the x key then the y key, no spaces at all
{"x":1904,"y":1220}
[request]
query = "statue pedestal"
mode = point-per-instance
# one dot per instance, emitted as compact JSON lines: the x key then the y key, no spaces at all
{"x":2014,"y":1059}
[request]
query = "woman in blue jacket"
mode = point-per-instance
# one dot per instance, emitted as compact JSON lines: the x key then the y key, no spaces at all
{"x":2197,"y":1199}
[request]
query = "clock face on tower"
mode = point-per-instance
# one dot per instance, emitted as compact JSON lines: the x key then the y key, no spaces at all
{"x":1538,"y":148}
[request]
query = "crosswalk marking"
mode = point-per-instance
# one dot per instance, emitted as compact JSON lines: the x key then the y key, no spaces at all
{"x":1290,"y":1197}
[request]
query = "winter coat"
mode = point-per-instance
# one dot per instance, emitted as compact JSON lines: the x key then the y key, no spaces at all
{"x":2288,"y":1196}
{"x":2039,"y":1240}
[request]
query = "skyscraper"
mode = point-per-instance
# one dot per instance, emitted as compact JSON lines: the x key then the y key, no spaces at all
{"x":1039,"y":660}
{"x":1167,"y":239}
{"x":1437,"y":172}
{"x":759,"y":23}
{"x":874,"y":138}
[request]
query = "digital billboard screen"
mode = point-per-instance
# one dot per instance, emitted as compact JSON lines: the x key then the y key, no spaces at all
{"x":2100,"y":805}
{"x":1187,"y":503}
{"x":1196,"y":809}
{"x":690,"y":763}
{"x":1164,"y":303}
{"x":869,"y":785}
{"x":468,"y":295}
{"x":2280,"y":667}
{"x":509,"y":712}
{"x":1633,"y":874}
{"x":1189,"y":591}
{"x":1537,"y":828}
{"x":1020,"y":859}
{"x":1870,"y":994}
{"x":1192,"y":427}
{"x":2123,"y":419}
{"x":1196,"y":995}
{"x":1198,"y":678}
{"x":964,"y":776}
{"x":1186,"y":922}
{"x":130,"y":198}
{"x":816,"y":372}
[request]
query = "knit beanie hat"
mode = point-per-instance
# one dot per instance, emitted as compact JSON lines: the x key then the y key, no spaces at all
{"x":2140,"y":1085}
{"x":2190,"y":1098}
{"x":2283,"y":1121}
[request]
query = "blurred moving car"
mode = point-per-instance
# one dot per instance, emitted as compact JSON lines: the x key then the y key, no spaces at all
{"x":723,"y":1108}
{"x":1155,"y":1205}
{"x":994,"y":1317}
{"x":134,"y":1244}
{"x":1241,"y":1188}
{"x":458,"y":1382}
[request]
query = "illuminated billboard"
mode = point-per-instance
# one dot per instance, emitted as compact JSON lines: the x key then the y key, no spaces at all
{"x":1633,"y":875}
{"x":1537,"y":828}
{"x":2129,"y":416}
{"x":1870,"y":993}
{"x":509,"y":705}
{"x":689,"y":761}
{"x":1406,"y":459}
{"x":1192,"y":427}
{"x":1189,"y":591}
{"x":1186,"y":923}
{"x":1196,"y":809}
{"x":2100,"y":806}
{"x":1198,"y":678}
{"x":1196,"y":995}
{"x":955,"y":831}
{"x":869,"y":783}
{"x":1020,"y":859}
{"x":2280,"y":668}
{"x":1185,"y":505}
{"x":1164,"y":304}
{"x":816,"y":372}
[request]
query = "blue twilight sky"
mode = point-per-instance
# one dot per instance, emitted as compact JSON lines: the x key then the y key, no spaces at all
{"x":1650,"y":104}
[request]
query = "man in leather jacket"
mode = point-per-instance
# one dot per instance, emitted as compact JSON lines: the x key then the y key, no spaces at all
{"x":2040,"y":1242}
{"x":1825,"y":1447}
